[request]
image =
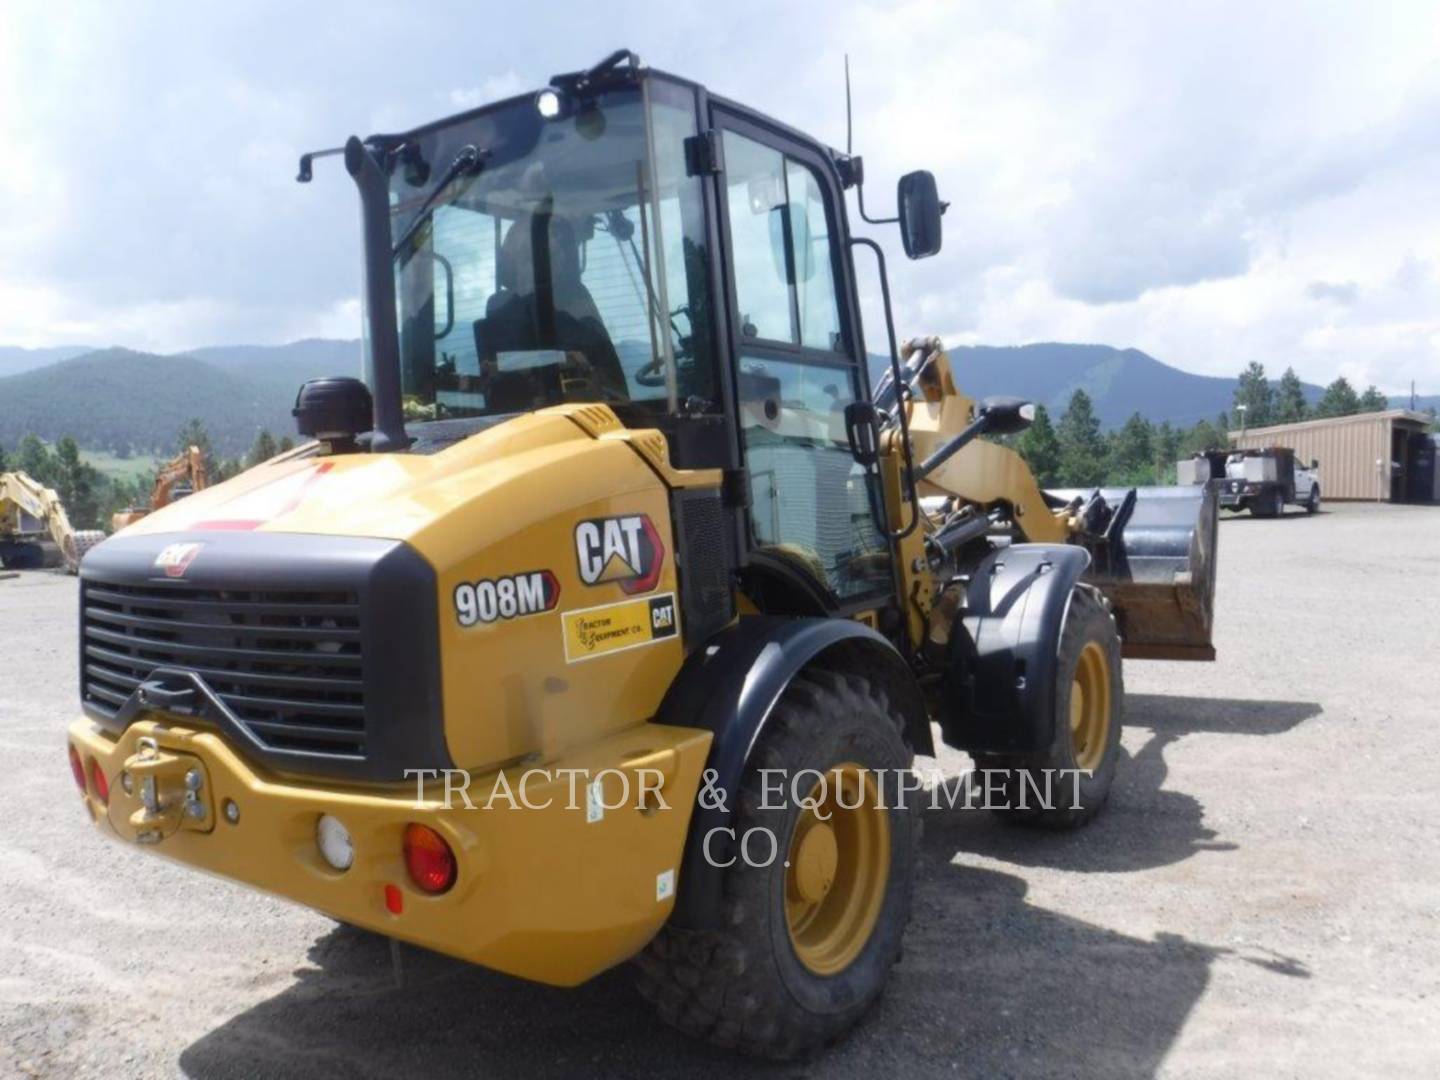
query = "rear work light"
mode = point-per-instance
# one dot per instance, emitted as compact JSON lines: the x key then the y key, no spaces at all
{"x":429,"y":859}
{"x":77,"y":770}
{"x":102,"y":786}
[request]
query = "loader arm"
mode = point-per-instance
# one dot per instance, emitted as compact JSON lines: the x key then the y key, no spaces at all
{"x":984,"y":473}
{"x":1152,"y":549}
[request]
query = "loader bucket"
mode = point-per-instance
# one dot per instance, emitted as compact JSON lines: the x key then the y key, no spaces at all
{"x":1156,"y":564}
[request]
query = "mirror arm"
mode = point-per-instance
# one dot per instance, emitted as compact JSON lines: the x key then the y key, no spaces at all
{"x":860,"y":198}
{"x":895,"y":374}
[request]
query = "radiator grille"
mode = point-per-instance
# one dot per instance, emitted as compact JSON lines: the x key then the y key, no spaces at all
{"x":286,"y":663}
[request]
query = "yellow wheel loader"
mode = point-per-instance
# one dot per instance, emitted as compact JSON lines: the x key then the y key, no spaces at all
{"x":604,"y":618}
{"x":30,"y":515}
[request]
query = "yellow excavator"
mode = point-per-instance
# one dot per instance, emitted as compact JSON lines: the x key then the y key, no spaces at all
{"x":603,"y":620}
{"x":30,"y":515}
{"x":182,"y":475}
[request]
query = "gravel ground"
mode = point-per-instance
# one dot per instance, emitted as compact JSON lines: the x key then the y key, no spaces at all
{"x":1262,"y":895}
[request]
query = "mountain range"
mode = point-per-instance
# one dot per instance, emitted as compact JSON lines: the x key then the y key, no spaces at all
{"x":132,"y":402}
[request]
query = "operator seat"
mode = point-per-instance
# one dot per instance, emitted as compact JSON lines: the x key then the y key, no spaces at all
{"x":542,"y":305}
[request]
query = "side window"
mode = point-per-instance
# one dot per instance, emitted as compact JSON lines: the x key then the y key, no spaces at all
{"x":819,"y":316}
{"x":810,"y":502}
{"x":780,"y":237}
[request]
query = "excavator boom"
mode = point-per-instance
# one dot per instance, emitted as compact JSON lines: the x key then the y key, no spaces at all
{"x":189,"y":465}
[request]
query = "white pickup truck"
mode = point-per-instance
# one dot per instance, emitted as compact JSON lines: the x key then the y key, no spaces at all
{"x":1261,"y":481}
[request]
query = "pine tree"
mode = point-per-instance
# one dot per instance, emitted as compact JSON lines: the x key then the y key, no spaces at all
{"x":1290,"y":398}
{"x":32,"y":458}
{"x":263,"y":449}
{"x":1339,"y":399}
{"x":1082,"y":449}
{"x":1168,"y":443}
{"x":1254,"y":392}
{"x":1132,"y":458}
{"x":76,"y":484}
{"x":2,"y":459}
{"x":1203,"y":436}
{"x":1041,"y":449}
{"x":286,"y":444}
{"x":1372,"y":400}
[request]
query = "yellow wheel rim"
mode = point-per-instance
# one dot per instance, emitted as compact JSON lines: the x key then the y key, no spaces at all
{"x":1090,"y":706}
{"x":837,"y":868}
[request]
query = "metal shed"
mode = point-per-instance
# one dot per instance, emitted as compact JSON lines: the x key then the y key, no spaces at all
{"x":1380,"y":456}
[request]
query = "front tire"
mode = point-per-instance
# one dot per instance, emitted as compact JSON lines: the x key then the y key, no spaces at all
{"x":1312,"y":504}
{"x":808,"y":940}
{"x":1078,"y":768}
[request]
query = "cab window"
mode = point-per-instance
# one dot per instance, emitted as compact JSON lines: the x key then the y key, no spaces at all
{"x":780,"y":239}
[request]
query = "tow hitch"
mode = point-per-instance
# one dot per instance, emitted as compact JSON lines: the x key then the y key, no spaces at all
{"x":160,"y":792}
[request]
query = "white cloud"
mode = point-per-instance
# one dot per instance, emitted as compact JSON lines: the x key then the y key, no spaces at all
{"x":1214,"y":184}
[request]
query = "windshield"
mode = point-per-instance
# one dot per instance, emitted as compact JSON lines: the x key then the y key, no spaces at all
{"x":552,"y":272}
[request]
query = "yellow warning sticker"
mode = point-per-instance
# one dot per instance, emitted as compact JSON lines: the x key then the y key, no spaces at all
{"x":597,"y":631}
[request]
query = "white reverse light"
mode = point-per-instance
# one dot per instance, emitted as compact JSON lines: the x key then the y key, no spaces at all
{"x":334,"y":842}
{"x":1027,"y":411}
{"x":547,"y":104}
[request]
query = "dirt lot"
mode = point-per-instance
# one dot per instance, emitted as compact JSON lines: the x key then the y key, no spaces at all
{"x":1261,"y":897}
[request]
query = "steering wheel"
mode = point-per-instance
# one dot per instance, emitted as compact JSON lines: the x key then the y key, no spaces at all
{"x":652,"y":374}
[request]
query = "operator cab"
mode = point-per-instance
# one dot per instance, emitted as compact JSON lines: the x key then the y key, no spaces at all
{"x":625,"y":238}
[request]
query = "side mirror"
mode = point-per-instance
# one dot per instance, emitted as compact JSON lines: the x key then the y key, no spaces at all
{"x":1314,"y":463}
{"x":920,"y":210}
{"x":862,"y":429}
{"x":1006,"y":415}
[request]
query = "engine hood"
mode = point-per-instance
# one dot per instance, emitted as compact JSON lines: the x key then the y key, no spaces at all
{"x":383,"y":496}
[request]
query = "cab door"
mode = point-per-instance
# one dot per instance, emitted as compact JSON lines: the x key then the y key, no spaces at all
{"x":797,"y":361}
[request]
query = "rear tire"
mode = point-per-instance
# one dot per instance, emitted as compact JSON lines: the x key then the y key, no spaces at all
{"x":1089,"y":713}
{"x":802,"y":953}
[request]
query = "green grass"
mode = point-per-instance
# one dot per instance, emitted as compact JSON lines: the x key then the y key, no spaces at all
{"x":127,"y":468}
{"x":121,"y":468}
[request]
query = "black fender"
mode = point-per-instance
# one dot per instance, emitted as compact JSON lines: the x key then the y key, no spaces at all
{"x":998,"y":689}
{"x":729,"y":686}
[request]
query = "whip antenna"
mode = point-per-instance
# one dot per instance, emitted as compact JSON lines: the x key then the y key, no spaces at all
{"x":849,"y":120}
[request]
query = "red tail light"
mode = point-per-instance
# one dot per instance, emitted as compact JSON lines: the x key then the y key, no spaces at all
{"x":429,"y":859}
{"x":102,"y":786}
{"x":77,"y":770}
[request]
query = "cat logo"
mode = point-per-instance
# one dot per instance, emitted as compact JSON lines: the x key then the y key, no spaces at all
{"x":625,"y":550}
{"x":176,"y":558}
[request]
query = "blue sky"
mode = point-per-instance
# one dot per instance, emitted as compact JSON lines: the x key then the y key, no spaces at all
{"x":1242,"y":181}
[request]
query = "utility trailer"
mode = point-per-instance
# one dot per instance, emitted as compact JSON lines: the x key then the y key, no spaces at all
{"x":1261,"y":481}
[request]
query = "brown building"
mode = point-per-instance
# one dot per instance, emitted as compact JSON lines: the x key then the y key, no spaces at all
{"x":1380,"y":456}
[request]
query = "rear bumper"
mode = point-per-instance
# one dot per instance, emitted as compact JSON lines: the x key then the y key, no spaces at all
{"x":551,"y":892}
